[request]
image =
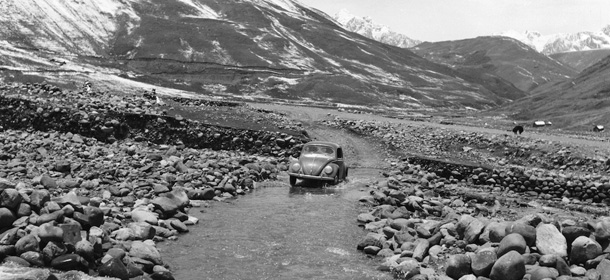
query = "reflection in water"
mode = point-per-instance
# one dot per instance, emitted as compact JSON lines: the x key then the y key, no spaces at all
{"x":296,"y":190}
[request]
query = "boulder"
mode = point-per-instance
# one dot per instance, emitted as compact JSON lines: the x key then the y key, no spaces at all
{"x":528,"y":232}
{"x":142,"y":231}
{"x":85,"y":249}
{"x":473,"y":231}
{"x":26,"y":244}
{"x":406,"y":269}
{"x":512,"y":242}
{"x":10,"y":198}
{"x":584,"y":249}
{"x":602,"y":229}
{"x":543,"y":272}
{"x":458,"y":266}
{"x":604,"y":269}
{"x":482,"y":262}
{"x":7,"y":217}
{"x":421,"y":249}
{"x":95,"y":216}
{"x":53,"y":249}
{"x":114,"y":268}
{"x":38,"y":198}
{"x":371,"y":239}
{"x":48,"y":182}
{"x":34,"y":258}
{"x":509,"y":266}
{"x":145,"y":251}
{"x":550,"y":241}
{"x":49,"y":232}
{"x":70,"y":262}
{"x":497,"y":231}
{"x":142,"y":215}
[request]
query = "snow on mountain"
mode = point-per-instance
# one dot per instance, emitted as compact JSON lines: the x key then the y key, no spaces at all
{"x":367,"y":28}
{"x":558,"y":43}
{"x":86,"y":25}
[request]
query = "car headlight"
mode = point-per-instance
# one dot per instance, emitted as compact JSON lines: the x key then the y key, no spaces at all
{"x":295,"y":167}
{"x":328,"y":170}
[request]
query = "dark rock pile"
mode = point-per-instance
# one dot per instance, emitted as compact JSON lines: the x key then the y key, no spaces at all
{"x":424,"y":235}
{"x":109,"y":118}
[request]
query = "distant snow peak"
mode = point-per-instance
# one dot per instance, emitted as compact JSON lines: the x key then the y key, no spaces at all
{"x":366,"y":27}
{"x":557,"y":43}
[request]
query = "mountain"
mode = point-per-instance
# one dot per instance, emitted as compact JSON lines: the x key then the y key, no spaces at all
{"x":578,"y":103}
{"x":559,"y":43}
{"x":504,"y":57}
{"x":581,"y":60}
{"x":245,"y":48}
{"x":367,"y":28}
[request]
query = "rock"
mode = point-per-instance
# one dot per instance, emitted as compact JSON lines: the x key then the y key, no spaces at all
{"x":7,"y":217}
{"x":95,"y":216}
{"x":34,"y":258}
{"x":577,"y":270}
{"x":462,"y":225}
{"x":528,"y":232}
{"x":17,"y":261}
{"x":509,"y":266}
{"x":70,"y":262}
{"x":123,"y":234}
{"x":162,"y":275}
{"x":142,"y":231}
{"x":178,"y":225}
{"x":48,"y":182}
{"x":114,"y":268}
{"x":458,"y":266}
{"x":550,"y":241}
{"x":26,"y":244}
{"x":406,"y":269}
{"x":604,"y":269}
{"x":140,"y":215}
{"x":573,"y":232}
{"x":602,"y":229}
{"x":371,"y":250}
{"x":482,"y":262}
{"x":512,"y":242}
{"x":371,"y":239}
{"x":48,"y":232}
{"x":85,"y":249}
{"x":584,"y":249}
{"x":421,"y":249}
{"x":38,"y":198}
{"x":145,"y":251}
{"x":543,"y":272}
{"x":52,"y":250}
{"x":10,"y":198}
{"x":548,"y":260}
{"x":168,"y":206}
{"x":473,"y":231}
{"x":497,"y":231}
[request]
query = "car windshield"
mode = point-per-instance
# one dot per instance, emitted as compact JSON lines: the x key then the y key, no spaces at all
{"x":318,"y":150}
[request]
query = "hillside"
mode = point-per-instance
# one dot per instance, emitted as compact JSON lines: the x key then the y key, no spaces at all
{"x":581,"y":60}
{"x":250,"y":49}
{"x":504,"y":57}
{"x":575,"y":104}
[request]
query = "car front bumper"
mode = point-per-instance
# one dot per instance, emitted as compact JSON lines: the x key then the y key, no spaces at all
{"x":310,"y":177}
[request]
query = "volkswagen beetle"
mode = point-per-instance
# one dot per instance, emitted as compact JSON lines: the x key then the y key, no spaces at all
{"x":321,"y":161}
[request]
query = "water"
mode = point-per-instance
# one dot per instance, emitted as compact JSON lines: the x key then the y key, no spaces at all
{"x":279,"y":232}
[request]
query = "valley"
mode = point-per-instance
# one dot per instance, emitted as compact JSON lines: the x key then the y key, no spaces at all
{"x":152,"y":139}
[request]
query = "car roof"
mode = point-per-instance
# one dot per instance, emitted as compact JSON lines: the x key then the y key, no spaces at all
{"x":323,"y":143}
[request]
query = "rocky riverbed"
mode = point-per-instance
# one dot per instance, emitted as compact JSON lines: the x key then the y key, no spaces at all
{"x":425,"y":226}
{"x":90,"y":181}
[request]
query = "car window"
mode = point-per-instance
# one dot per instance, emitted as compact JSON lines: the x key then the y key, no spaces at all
{"x":318,"y":150}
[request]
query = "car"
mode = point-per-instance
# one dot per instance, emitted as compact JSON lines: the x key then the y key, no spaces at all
{"x":319,"y":161}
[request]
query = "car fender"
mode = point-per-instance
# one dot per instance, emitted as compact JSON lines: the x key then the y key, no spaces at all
{"x":335,"y":170}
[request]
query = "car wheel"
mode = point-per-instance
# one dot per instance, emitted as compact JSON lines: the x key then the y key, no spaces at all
{"x":293,"y":180}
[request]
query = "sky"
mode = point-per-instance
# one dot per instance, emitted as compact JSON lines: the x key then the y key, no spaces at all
{"x":440,"y":20}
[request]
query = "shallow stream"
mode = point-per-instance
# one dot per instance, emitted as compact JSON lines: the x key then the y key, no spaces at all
{"x":278,"y":232}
